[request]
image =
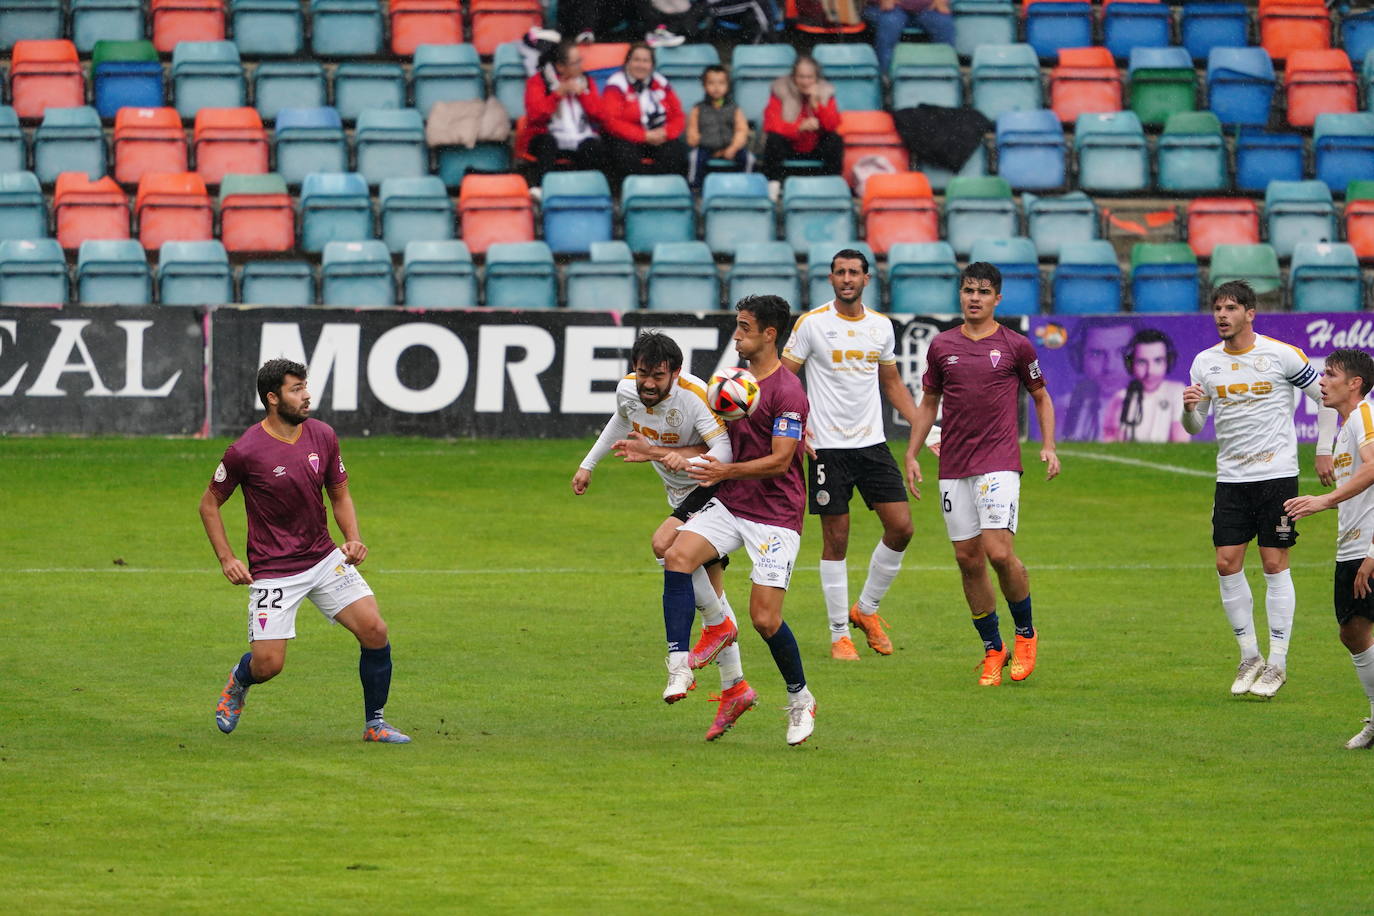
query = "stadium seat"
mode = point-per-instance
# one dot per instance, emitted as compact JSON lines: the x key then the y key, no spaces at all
{"x":268,"y":28}
{"x":1262,"y":157}
{"x":23,"y":212}
{"x":113,"y":272}
{"x":173,"y":207}
{"x":682,"y":66}
{"x":1325,"y":277}
{"x":1055,"y":24}
{"x":602,"y":58}
{"x":982,"y":22}
{"x":1019,"y":264}
{"x":1206,"y":24}
{"x":194,"y":273}
{"x":281,"y":283}
{"x":975,"y":167}
{"x":148,"y":140}
{"x":43,"y":75}
{"x":1357,"y":34}
{"x":816,"y":209}
{"x":683,"y":278}
{"x":979,"y":208}
{"x":391,"y":144}
{"x":126,"y":74}
{"x":357,"y":274}
{"x":521,"y":275}
{"x":446,"y":73}
{"x":1005,"y":78}
{"x":853,"y":70}
{"x":415,"y":209}
{"x":417,"y":22}
{"x":657,"y":208}
{"x":1164,"y":278}
{"x":1162,"y":82}
{"x":1087,"y":279}
{"x":85,"y":209}
{"x":69,"y":140}
{"x":255,"y":213}
{"x":1359,"y":217}
{"x":309,"y":140}
{"x":764,"y":268}
{"x":279,"y":84}
{"x":451,"y":163}
{"x":29,"y":20}
{"x":1220,"y":220}
{"x":577,"y":210}
{"x":735,"y":208}
{"x":207,"y":74}
{"x":439,"y":275}
{"x":229,"y":140}
{"x":1030,"y":150}
{"x":1136,"y":24}
{"x":32,"y":272}
{"x":899,"y":208}
{"x":753,"y":69}
{"x":819,"y":291}
{"x":508,"y":78}
{"x":923,"y":279}
{"x":177,"y":21}
{"x":1298,"y":211}
{"x":1343,"y":148}
{"x":1113,"y":155}
{"x":926,"y":75}
{"x":494,"y":208}
{"x":360,"y":87}
{"x":1286,"y":26}
{"x":1086,"y":80}
{"x":1052,"y":221}
{"x":1192,"y":153}
{"x":14,"y":148}
{"x":1240,"y":86}
{"x":335,"y":207}
{"x":346,"y":28}
{"x":871,"y":133}
{"x":495,"y":22}
{"x":1319,"y":82}
{"x":606,"y":282}
{"x":1256,"y":264}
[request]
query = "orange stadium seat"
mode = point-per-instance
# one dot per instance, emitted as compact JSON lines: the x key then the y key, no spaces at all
{"x":1286,"y":26}
{"x":1216,"y":221}
{"x":814,"y":19}
{"x":173,"y":207}
{"x":1086,"y":81}
{"x":86,"y":209}
{"x":229,"y":140}
{"x":148,"y":140}
{"x":899,"y":208}
{"x":45,"y":74}
{"x":186,"y":20}
{"x":255,"y":213}
{"x":1318,"y":82}
{"x":871,"y":133}
{"x":495,"y":22}
{"x":424,"y":22}
{"x":494,"y":208}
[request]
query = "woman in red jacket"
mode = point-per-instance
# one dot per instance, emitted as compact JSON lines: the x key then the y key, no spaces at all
{"x":642,"y":120}
{"x":562,"y":113}
{"x":801,"y":121}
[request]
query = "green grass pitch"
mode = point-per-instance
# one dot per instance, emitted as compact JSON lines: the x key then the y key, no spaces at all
{"x":547,"y":775}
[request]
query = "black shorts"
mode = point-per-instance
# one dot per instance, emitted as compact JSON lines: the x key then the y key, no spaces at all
{"x":835,"y":472}
{"x":1343,"y":594}
{"x":1242,"y":512}
{"x":694,"y":503}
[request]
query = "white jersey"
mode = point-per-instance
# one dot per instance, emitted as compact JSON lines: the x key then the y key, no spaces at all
{"x":842,"y":356}
{"x":1254,"y":393}
{"x":1355,"y":524}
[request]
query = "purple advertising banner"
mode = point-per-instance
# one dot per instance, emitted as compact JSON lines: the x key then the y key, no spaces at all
{"x":1121,"y":378}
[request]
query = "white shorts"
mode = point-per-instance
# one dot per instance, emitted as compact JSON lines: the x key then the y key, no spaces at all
{"x":772,"y":549}
{"x":331,"y":585}
{"x":971,"y":504}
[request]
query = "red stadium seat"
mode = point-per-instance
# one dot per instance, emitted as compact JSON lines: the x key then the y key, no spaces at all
{"x":424,"y":22}
{"x":255,"y":214}
{"x":186,"y":20}
{"x":494,"y":208}
{"x":871,"y":133}
{"x":814,"y":19}
{"x":87,"y":209}
{"x":148,"y":140}
{"x":1086,"y":81}
{"x":495,"y":22}
{"x":173,"y":207}
{"x":229,"y":140}
{"x":1216,"y":221}
{"x":1293,"y":25}
{"x":45,"y":74}
{"x":1317,"y":82}
{"x":899,"y":208}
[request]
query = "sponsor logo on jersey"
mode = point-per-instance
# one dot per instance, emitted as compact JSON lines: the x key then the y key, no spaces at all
{"x":791,"y":415}
{"x":773,"y":544}
{"x":314,"y":460}
{"x":1034,"y":368}
{"x":341,"y":467}
{"x":951,"y":360}
{"x":996,"y":356}
{"x":220,"y":473}
{"x":279,"y":471}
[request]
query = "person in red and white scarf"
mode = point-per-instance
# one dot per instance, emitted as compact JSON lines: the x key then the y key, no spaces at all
{"x":642,"y":120}
{"x":562,"y":113}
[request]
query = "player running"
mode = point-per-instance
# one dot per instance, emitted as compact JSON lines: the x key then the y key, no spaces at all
{"x":759,"y":506}
{"x":1251,"y":382}
{"x":663,"y":409}
{"x":282,"y":463}
{"x":978,"y":370}
{"x":850,"y":354}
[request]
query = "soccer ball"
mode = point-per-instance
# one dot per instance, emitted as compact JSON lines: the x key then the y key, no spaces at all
{"x":733,"y":394}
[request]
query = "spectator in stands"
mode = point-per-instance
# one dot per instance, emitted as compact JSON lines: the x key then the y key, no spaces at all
{"x":562,"y":114}
{"x":801,"y":121}
{"x":890,"y":18}
{"x":716,"y":128}
{"x":656,"y":19}
{"x":642,"y":120}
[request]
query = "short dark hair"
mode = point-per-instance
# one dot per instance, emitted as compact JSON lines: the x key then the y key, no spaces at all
{"x":1238,"y":290}
{"x":653,"y":348}
{"x":771,"y":311}
{"x":1355,"y":363}
{"x":559,"y":53}
{"x":714,"y":68}
{"x":1150,"y":336}
{"x":853,"y":254}
{"x":273,"y":375}
{"x":635,"y":46}
{"x":982,"y":270}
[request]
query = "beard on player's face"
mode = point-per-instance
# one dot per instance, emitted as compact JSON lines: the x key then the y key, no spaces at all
{"x":295,"y":416}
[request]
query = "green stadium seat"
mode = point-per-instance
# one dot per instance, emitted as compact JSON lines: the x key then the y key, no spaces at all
{"x":1258,"y":265}
{"x":978,"y":208}
{"x":1192,"y":153}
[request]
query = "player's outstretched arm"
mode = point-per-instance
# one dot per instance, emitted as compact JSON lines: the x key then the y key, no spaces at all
{"x":1044,"y":413}
{"x":923,"y":421}
{"x":712,"y":471}
{"x":346,"y":516}
{"x":581,"y":481}
{"x":230,"y":565}
{"x":1303,"y":506}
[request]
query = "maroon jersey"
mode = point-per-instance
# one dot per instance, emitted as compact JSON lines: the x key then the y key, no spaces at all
{"x":979,"y":381}
{"x":287,"y":528}
{"x":781,"y":411}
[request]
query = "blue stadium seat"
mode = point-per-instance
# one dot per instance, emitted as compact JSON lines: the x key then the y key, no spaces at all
{"x":14,"y":149}
{"x":819,"y":291}
{"x":508,"y":78}
{"x":1357,"y":34}
{"x":194,"y":273}
{"x":853,"y":70}
{"x":113,"y":272}
{"x":1006,"y":78}
{"x":736,"y":208}
{"x":1030,"y":149}
{"x":923,"y":278}
{"x":346,"y":28}
{"x":439,"y":275}
{"x":577,"y":209}
{"x":1298,"y":211}
{"x":982,"y":22}
{"x":308,"y":140}
{"x":446,"y":73}
{"x":1262,"y":157}
{"x":23,"y":212}
{"x":1052,"y":221}
{"x":979,"y":208}
{"x":1164,"y":278}
{"x":279,"y":84}
{"x":357,"y":274}
{"x":682,"y":66}
{"x":1325,"y":277}
{"x":1087,"y":280}
{"x":1051,"y":26}
{"x":521,"y":275}
{"x":817,"y":209}
{"x":125,"y":74}
{"x":69,"y":140}
{"x":657,"y":208}
{"x":1240,"y":85}
{"x":415,"y":209}
{"x":1113,"y":155}
{"x":1192,"y":153}
{"x":105,"y":20}
{"x":926,"y":74}
{"x":390,"y":143}
{"x":753,"y":69}
{"x":283,"y":283}
{"x":268,"y":28}
{"x":606,"y":282}
{"x":683,"y":278}
{"x":764,"y":268}
{"x":334,"y":207}
{"x":32,"y":272}
{"x":451,"y":163}
{"x":207,"y":74}
{"x":1019,"y":263}
{"x":1126,"y":26}
{"x":1343,"y":148}
{"x":25,"y":20}
{"x":360,"y":87}
{"x":1206,"y":24}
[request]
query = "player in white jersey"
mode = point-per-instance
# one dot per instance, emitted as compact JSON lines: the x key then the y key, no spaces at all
{"x":664,"y":410}
{"x":1252,"y":383}
{"x":849,"y":352}
{"x":1345,"y":385}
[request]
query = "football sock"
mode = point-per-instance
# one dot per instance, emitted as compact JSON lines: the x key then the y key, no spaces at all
{"x":374,"y":670}
{"x":883,"y":567}
{"x":1364,"y":670}
{"x":1240,"y":610}
{"x":1279,"y":601}
{"x":835,"y":588}
{"x":731,"y":669}
{"x":679,"y":604}
{"x":1021,"y":614}
{"x":986,"y":625}
{"x":243,"y":673}
{"x":704,"y":594}
{"x":787,"y":657}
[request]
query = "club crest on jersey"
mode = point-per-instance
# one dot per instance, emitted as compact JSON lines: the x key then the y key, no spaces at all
{"x":262,"y":620}
{"x":673,"y":417}
{"x":1261,"y":363}
{"x":314,"y":460}
{"x":996,"y":356}
{"x":220,"y":473}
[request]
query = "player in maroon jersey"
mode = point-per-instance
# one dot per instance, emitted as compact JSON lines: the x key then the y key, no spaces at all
{"x":282,"y":464}
{"x":978,"y":370}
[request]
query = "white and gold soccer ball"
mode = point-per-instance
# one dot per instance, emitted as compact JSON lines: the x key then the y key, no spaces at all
{"x":733,"y":394}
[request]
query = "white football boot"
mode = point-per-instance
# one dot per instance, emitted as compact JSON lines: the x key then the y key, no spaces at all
{"x":1364,"y":740}
{"x":801,"y":716}
{"x":1269,"y":681}
{"x":1247,"y":672}
{"x":681,"y":678}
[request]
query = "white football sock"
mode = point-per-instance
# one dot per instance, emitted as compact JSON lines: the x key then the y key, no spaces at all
{"x":835,"y":588}
{"x":731,"y":669}
{"x":1239,"y":605}
{"x":883,"y":567}
{"x":677,"y":658}
{"x":706,"y":599}
{"x":1364,"y":670}
{"x":1279,"y":601}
